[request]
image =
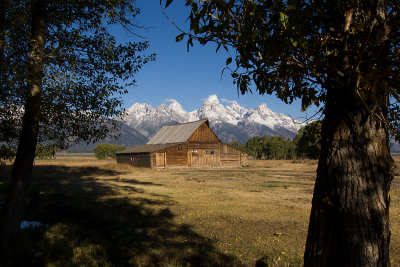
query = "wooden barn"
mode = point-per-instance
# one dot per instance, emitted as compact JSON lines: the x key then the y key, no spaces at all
{"x":192,"y":145}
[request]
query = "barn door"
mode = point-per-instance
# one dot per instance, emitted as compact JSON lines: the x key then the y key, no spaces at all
{"x":195,"y":159}
{"x":160,"y":160}
{"x":243,"y":159}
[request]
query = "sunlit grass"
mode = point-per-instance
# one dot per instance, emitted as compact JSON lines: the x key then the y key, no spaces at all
{"x":101,"y":213}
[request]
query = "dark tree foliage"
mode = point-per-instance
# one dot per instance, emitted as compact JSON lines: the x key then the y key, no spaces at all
{"x":106,"y":150}
{"x":343,"y":56}
{"x":308,"y":141}
{"x":235,"y":143}
{"x":264,"y":147}
{"x":46,"y":152}
{"x":277,"y":147}
{"x":254,"y":147}
{"x":7,"y":152}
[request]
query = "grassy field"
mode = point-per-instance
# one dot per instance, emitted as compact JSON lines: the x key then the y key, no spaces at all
{"x":99,"y":213}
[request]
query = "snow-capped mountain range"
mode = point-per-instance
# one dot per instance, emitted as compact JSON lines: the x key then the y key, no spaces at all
{"x":232,"y":122}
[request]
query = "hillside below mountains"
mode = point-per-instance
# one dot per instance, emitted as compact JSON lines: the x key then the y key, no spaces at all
{"x":127,"y":137}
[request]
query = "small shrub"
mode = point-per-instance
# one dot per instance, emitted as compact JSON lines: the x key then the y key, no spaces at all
{"x":106,"y":151}
{"x":7,"y":152}
{"x":46,"y":152}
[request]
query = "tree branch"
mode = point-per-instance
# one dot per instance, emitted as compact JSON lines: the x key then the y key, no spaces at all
{"x":395,"y":94}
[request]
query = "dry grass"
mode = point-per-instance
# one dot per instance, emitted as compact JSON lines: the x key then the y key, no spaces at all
{"x":395,"y":216}
{"x":100,"y":213}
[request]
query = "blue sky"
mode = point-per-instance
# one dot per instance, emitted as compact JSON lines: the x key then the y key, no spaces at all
{"x":188,"y":77}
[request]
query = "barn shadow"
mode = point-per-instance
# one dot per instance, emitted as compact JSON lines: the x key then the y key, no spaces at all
{"x":89,"y":223}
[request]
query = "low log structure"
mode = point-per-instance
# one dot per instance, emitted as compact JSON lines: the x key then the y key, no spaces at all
{"x":192,"y":145}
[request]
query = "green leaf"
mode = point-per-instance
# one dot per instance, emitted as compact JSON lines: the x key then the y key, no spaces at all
{"x":229,"y":61}
{"x":168,"y":3}
{"x":189,"y":43}
{"x":305,"y":103}
{"x":179,"y":37}
{"x":294,"y":43}
{"x":284,"y":19}
{"x":219,"y":45}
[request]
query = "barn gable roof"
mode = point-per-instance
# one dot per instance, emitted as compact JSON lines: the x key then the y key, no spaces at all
{"x":178,"y":133}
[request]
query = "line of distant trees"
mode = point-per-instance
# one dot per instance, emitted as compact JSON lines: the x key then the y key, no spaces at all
{"x":307,"y":144}
{"x":102,"y":151}
{"x":8,"y":152}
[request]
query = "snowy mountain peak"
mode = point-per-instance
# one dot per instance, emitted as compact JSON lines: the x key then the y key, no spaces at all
{"x":162,"y":107}
{"x":141,"y":106}
{"x":263,"y":107}
{"x":214,"y":111}
{"x":174,"y":105}
{"x":139,"y":110}
{"x":243,"y":123}
{"x":211,"y":100}
{"x":235,"y":104}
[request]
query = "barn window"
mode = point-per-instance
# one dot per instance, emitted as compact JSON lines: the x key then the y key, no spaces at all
{"x":179,"y":147}
{"x":207,"y":152}
{"x":212,"y":152}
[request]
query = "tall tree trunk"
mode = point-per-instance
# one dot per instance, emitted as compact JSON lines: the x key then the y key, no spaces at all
{"x":349,"y":222}
{"x":12,"y":212}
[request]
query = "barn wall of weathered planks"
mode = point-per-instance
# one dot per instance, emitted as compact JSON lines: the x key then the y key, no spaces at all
{"x":204,"y":134}
{"x":136,"y":160}
{"x":232,"y":156}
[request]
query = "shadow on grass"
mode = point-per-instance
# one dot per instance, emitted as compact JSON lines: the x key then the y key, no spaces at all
{"x":95,"y":223}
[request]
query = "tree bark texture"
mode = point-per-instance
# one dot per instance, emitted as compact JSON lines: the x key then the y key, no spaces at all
{"x":349,"y":222}
{"x":13,"y":209}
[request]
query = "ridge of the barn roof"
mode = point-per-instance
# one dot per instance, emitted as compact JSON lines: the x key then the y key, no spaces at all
{"x":177,"y":133}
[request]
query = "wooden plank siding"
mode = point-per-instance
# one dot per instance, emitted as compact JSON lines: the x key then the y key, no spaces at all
{"x":204,"y":158}
{"x":243,"y":159}
{"x":203,"y":148}
{"x":142,"y":160}
{"x":209,"y":146}
{"x":136,"y":160}
{"x":203,"y":134}
{"x":124,"y":158}
{"x":171,"y":156}
{"x":230,"y":160}
{"x":160,"y":159}
{"x":228,"y":149}
{"x":176,"y":159}
{"x":196,"y":155}
{"x":176,"y":148}
{"x":232,"y":156}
